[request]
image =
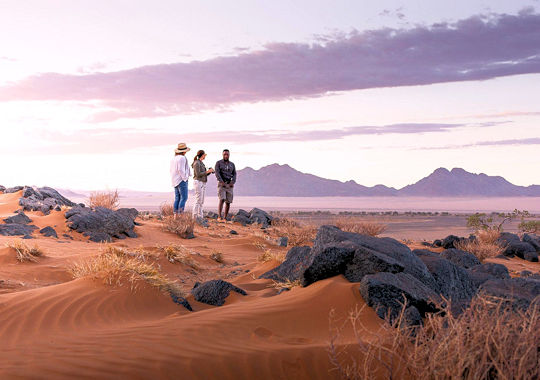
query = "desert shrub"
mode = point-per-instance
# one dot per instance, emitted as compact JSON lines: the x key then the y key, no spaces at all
{"x":267,"y":256}
{"x":175,"y":253}
{"x":107,"y":199}
{"x":181,"y":225}
{"x":114,"y":265}
{"x":495,"y":221}
{"x":531,"y":226}
{"x":217,"y":257}
{"x":298,"y":234}
{"x":484,"y":246}
{"x":259,"y":245}
{"x":360,"y":227}
{"x":25,"y":253}
{"x":166,"y":209}
{"x":489,"y":340}
{"x":287,"y":284}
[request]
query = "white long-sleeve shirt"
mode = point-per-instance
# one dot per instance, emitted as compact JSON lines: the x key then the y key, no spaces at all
{"x":180,"y":170}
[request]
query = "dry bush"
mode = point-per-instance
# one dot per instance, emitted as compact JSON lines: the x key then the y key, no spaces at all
{"x":137,"y":253}
{"x":488,"y":340}
{"x":175,"y":253}
{"x":107,"y":199}
{"x":298,"y":234}
{"x":166,"y":209}
{"x":484,"y":246}
{"x":113,"y":266}
{"x":287,"y":284}
{"x":267,"y":256}
{"x":360,"y":227}
{"x":259,"y":245}
{"x":24,"y":252}
{"x":181,"y":225}
{"x":217,"y":257}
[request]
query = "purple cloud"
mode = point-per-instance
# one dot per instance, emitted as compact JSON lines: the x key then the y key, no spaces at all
{"x":476,"y":48}
{"x":105,"y":140}
{"x":523,"y":141}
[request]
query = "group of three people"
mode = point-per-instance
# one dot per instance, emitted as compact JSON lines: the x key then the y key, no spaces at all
{"x":225,"y":172}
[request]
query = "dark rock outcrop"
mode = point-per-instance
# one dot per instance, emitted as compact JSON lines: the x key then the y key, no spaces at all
{"x":328,"y":261}
{"x":102,"y":224}
{"x":463,"y":259}
{"x":13,"y":189}
{"x":450,"y":241}
{"x":255,"y":216}
{"x":19,"y":218}
{"x":387,"y":292}
{"x":15,"y":229}
{"x":48,"y":232}
{"x":518,"y":293}
{"x":2,"y":189}
{"x":519,"y":249}
{"x":366,"y":261}
{"x":388,"y":246}
{"x":296,"y":262}
{"x":533,"y":240}
{"x":453,"y":281}
{"x":214,"y":292}
{"x":43,"y":199}
{"x":488,"y":271}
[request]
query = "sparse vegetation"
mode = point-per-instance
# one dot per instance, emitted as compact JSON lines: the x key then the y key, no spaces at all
{"x":166,"y":209}
{"x":114,"y":265}
{"x":24,"y":253}
{"x":176,"y":253}
{"x":360,"y":227}
{"x":494,"y":221}
{"x":217,"y":257}
{"x":267,"y":256}
{"x":488,"y":340}
{"x":298,"y":234}
{"x":181,"y":225}
{"x":107,"y":199}
{"x":259,"y":245}
{"x":531,"y":226}
{"x":484,"y":246}
{"x":287,"y":284}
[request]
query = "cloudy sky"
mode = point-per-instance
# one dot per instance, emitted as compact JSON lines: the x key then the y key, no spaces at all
{"x":96,"y":94}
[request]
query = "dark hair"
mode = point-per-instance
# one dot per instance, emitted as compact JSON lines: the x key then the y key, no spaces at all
{"x":226,"y":150}
{"x":199,"y":154}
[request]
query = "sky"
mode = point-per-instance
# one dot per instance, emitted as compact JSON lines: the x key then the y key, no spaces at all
{"x":96,"y":94}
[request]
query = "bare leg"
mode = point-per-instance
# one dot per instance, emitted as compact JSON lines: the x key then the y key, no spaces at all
{"x":220,"y":209}
{"x":227,"y":207}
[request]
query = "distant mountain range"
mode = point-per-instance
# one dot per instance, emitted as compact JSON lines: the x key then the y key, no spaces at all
{"x":284,"y":181}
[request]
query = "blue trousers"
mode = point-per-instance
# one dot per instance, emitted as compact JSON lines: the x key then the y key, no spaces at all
{"x":180,"y":197}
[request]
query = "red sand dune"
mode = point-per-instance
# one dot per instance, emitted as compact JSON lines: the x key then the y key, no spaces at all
{"x":52,"y":326}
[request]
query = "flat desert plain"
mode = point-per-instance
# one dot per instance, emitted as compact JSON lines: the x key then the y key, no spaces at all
{"x":53,"y":326}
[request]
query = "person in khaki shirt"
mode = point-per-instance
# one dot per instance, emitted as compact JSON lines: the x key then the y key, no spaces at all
{"x":226,"y":177}
{"x":200,"y":177}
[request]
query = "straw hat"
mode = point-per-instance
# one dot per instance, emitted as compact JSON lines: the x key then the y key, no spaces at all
{"x":182,"y":147}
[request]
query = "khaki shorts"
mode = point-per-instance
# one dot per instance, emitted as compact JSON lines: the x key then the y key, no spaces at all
{"x":225,"y":193}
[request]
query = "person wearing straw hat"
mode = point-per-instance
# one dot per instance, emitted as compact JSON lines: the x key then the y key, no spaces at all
{"x":180,"y":173}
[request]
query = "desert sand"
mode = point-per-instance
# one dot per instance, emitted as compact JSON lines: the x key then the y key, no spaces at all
{"x":54,"y":326}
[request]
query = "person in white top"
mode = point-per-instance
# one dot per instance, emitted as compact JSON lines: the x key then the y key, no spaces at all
{"x":180,"y":173}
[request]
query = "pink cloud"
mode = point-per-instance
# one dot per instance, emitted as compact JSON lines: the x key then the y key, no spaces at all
{"x":476,"y":48}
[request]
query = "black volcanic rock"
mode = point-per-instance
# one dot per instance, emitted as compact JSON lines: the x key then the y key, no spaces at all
{"x":461,"y":258}
{"x":214,"y":292}
{"x":102,"y":224}
{"x":292,"y":268}
{"x":386,"y":293}
{"x":15,"y":229}
{"x":19,"y":218}
{"x":48,"y":232}
{"x":43,"y":199}
{"x":519,"y":293}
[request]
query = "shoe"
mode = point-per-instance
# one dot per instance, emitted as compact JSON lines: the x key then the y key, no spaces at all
{"x":220,"y":220}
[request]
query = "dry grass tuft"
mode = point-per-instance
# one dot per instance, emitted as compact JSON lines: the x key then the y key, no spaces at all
{"x":298,"y":234}
{"x":107,"y":199}
{"x":485,"y":245}
{"x":259,"y":245}
{"x":288,"y":284}
{"x":181,"y":225}
{"x":175,"y":253}
{"x":360,"y":227}
{"x":217,"y":257}
{"x":24,"y":253}
{"x":166,"y":209}
{"x":488,"y":340}
{"x":267,"y":256}
{"x":114,"y":265}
